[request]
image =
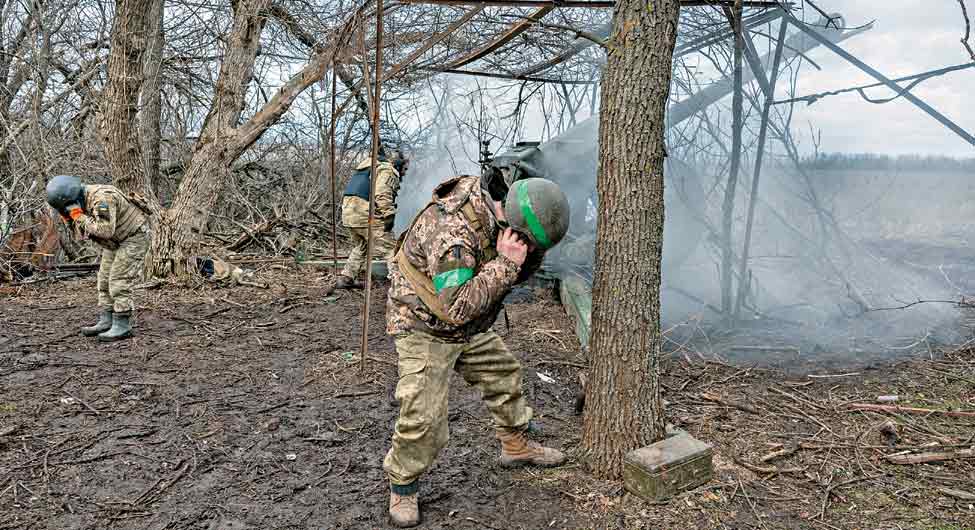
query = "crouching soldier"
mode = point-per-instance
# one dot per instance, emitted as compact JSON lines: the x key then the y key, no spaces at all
{"x":463,"y":253}
{"x":103,"y":214}
{"x":390,"y":168}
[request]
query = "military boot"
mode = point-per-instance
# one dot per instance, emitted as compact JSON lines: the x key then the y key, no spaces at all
{"x":344,"y":282}
{"x":517,"y":450}
{"x":404,"y":505}
{"x":103,"y":324}
{"x":121,"y":328}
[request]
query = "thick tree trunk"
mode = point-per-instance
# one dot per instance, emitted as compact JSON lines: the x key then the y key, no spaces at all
{"x":224,"y":139}
{"x":623,"y":404}
{"x":151,"y":99}
{"x":117,"y":123}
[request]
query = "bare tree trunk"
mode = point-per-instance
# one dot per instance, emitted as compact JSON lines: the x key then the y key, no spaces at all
{"x":117,"y":121}
{"x":224,"y":139}
{"x":151,"y":108}
{"x":623,"y":405}
{"x":728,"y":208}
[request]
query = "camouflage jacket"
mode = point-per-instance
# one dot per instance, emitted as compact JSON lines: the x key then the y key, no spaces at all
{"x":469,"y":277}
{"x":109,"y":218}
{"x":355,"y":210}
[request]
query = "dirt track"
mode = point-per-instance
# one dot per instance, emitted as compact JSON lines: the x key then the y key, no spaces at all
{"x":244,"y":408}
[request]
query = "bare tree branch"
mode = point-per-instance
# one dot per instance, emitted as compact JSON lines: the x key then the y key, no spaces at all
{"x":968,"y":29}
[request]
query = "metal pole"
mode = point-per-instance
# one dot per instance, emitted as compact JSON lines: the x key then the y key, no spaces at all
{"x":759,"y":154}
{"x":364,"y":350}
{"x":331,"y":170}
{"x":883,"y":79}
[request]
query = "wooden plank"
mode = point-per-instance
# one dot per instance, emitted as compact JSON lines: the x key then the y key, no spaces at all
{"x":505,"y":38}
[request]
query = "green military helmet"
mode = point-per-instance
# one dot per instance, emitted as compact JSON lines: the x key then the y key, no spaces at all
{"x":64,"y":190}
{"x":538,"y":209}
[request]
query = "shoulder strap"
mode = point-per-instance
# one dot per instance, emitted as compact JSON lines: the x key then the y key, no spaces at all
{"x":468,"y":210}
{"x":423,"y":286}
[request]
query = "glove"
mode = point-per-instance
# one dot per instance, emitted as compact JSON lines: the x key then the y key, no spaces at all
{"x":388,"y":223}
{"x":75,"y":211}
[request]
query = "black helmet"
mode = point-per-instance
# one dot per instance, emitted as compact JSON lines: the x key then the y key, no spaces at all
{"x":395,"y":153}
{"x":523,"y":160}
{"x":538,"y":209}
{"x":63,"y":190}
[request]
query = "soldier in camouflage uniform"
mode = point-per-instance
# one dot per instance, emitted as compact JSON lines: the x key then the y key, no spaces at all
{"x":454,"y":267}
{"x":355,"y":212}
{"x":106,"y":216}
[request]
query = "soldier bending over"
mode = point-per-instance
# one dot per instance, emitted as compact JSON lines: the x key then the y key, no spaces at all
{"x":103,"y":214}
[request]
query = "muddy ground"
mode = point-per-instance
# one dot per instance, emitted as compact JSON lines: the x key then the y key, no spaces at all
{"x":245,"y":408}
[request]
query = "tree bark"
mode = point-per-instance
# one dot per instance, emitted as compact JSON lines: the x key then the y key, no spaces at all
{"x":117,"y":119}
{"x":150,"y":114}
{"x":623,"y":405}
{"x":223,"y":139}
{"x":728,"y":207}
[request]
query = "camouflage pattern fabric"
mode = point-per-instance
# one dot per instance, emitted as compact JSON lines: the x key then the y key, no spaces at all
{"x":383,"y":244}
{"x":425,"y":366}
{"x":355,"y":210}
{"x":109,"y":218}
{"x":119,"y":271}
{"x":470,"y":278}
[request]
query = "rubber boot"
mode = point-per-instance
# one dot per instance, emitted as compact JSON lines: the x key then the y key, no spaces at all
{"x":121,"y":328}
{"x":404,"y":505}
{"x":104,"y":324}
{"x":517,"y":450}
{"x":344,"y":282}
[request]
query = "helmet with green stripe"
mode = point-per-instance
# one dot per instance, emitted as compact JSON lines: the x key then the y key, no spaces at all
{"x":538,"y":209}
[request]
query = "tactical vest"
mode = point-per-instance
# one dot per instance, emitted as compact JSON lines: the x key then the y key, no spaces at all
{"x":359,"y":184}
{"x":421,"y":283}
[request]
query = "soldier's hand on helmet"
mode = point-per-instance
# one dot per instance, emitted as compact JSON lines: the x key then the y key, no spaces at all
{"x":74,"y":211}
{"x":512,"y":247}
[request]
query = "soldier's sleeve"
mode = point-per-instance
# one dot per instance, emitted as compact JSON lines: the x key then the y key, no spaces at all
{"x":100,"y":219}
{"x":387,"y":188}
{"x":464,"y":295}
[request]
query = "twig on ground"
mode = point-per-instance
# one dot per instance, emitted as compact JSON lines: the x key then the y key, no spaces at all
{"x":910,"y":410}
{"x":923,"y":458}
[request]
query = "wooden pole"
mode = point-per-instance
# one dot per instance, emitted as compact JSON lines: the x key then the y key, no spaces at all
{"x":728,"y":208}
{"x":364,"y":350}
{"x":331,"y":166}
{"x":759,"y":157}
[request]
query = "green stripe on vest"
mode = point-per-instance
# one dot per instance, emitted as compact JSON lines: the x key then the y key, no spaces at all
{"x":454,"y":278}
{"x":525,"y":203}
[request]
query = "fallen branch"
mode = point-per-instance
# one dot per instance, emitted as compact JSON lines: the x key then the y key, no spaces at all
{"x":707,"y":396}
{"x":958,"y":494}
{"x":910,"y":410}
{"x":767,"y":470}
{"x":923,"y":458}
{"x":781,"y":453}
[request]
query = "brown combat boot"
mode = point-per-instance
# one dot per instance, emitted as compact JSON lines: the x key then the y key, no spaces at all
{"x":517,"y":450}
{"x":404,"y":505}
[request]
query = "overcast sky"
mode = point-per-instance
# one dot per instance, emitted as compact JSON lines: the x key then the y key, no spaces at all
{"x":910,"y":36}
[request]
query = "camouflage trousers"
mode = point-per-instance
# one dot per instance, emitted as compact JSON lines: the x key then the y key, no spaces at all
{"x":383,"y":244}
{"x":120,"y":269}
{"x":425,"y":365}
